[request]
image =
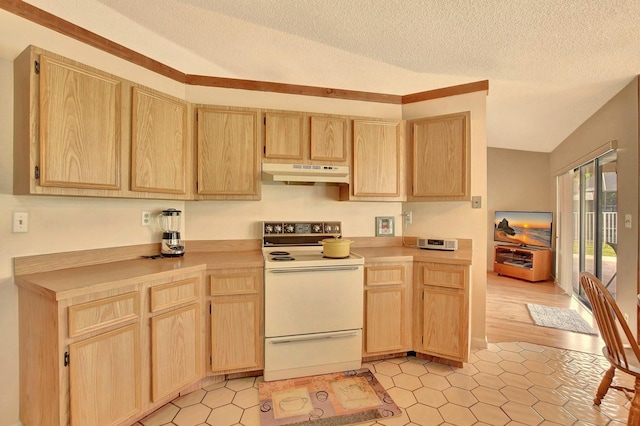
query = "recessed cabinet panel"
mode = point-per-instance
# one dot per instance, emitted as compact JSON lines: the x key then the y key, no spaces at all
{"x":376,"y":159}
{"x":235,"y":333}
{"x":328,"y":139}
{"x":444,"y":320}
{"x":441,"y":158}
{"x":284,"y":135}
{"x":175,"y":350}
{"x":159,"y":143}
{"x":228,"y":154}
{"x":79,"y":121}
{"x":385,"y":313}
{"x":104,"y":377}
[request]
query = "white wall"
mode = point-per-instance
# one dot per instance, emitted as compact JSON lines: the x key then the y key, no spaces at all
{"x":457,"y":219}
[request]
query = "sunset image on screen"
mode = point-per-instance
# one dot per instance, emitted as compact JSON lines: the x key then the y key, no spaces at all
{"x":524,"y":228}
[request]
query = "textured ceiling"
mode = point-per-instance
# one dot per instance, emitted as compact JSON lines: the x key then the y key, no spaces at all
{"x":550,"y":64}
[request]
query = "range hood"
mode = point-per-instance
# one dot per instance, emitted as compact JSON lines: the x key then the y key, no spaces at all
{"x":304,"y":173}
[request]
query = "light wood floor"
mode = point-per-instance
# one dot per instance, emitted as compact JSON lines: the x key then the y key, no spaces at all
{"x":508,"y":318}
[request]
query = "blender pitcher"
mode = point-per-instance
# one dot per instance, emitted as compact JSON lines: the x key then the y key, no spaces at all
{"x":169,"y":222}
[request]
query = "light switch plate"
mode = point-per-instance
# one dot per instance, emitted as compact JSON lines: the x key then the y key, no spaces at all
{"x":20,"y":222}
{"x":476,"y":202}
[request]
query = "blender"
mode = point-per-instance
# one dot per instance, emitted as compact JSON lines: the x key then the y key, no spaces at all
{"x":170,"y":224}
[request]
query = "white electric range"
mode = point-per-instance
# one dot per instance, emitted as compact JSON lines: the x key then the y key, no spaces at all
{"x":313,"y":304}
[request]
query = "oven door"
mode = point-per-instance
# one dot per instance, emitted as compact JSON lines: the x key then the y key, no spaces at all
{"x":313,"y":299}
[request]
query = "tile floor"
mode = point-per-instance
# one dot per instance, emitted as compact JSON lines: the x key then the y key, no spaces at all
{"x":506,"y":384}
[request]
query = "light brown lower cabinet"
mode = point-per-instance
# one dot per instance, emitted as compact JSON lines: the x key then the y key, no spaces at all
{"x":112,"y":356}
{"x":387,"y":308}
{"x":441,"y":304}
{"x":237,"y":327}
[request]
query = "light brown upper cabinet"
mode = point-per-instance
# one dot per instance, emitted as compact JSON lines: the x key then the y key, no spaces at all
{"x":377,"y":162}
{"x":440,"y":158}
{"x":284,"y":135}
{"x":305,"y":138}
{"x":159,"y":148}
{"x":80,"y":131}
{"x":228,"y":154}
{"x":328,"y":139}
{"x":67,"y":127}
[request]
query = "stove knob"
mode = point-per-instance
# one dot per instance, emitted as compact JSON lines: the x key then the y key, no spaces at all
{"x":278,"y":229}
{"x":317,"y":228}
{"x":289,"y":229}
{"x":336,"y":228}
{"x":268,"y":229}
{"x":327,"y":228}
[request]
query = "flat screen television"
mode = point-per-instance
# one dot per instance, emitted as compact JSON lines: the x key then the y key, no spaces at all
{"x":523,"y":228}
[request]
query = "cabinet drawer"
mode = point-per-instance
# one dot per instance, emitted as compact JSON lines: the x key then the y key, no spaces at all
{"x":173,"y":294}
{"x":384,"y":275}
{"x":452,"y":276}
{"x":240,"y":282}
{"x":102,"y":313}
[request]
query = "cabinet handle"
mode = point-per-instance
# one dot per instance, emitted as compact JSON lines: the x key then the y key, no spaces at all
{"x":66,"y":359}
{"x":306,"y":337}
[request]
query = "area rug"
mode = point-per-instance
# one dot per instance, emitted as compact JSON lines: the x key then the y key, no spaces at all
{"x":561,"y":318}
{"x":327,"y":400}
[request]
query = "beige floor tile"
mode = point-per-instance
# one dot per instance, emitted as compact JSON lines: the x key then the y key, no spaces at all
{"x":251,"y":417}
{"x":247,"y":398}
{"x":490,"y":414}
{"x":575,"y":394}
{"x":403,"y":398}
{"x":398,"y":360}
{"x":218,"y":397}
{"x":590,"y":413}
{"x":510,"y":346}
{"x":516,"y":380}
{"x":460,"y":397}
{"x":430,"y":397}
{"x":385,"y":381}
{"x":161,"y":416}
{"x":192,"y":398}
{"x":519,"y":395}
{"x":513,"y":367}
{"x":434,"y":381}
{"x":402,"y":419}
{"x":537,"y":366}
{"x":462,"y":381}
{"x":541,"y":379}
{"x":489,"y":368}
{"x":216,"y":385}
{"x":388,"y":368}
{"x":240,"y":384}
{"x":534,"y":356}
{"x":489,"y":396}
{"x":192,"y":416}
{"x":511,"y":356}
{"x":489,"y":381}
{"x":439,"y":369}
{"x":457,"y":415}
{"x":424,"y":416}
{"x":488,"y":356}
{"x":547,"y":395}
{"x":521,"y":413}
{"x":406,"y":381}
{"x":226,"y":415}
{"x":413,"y":368}
{"x":467,"y":369}
{"x":554,"y":413}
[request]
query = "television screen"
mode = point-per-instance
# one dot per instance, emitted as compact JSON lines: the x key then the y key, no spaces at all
{"x":523,"y":228}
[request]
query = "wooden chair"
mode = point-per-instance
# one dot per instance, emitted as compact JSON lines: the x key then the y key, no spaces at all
{"x":622,"y":351}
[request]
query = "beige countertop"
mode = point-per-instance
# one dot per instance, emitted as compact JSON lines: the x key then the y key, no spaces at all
{"x":74,"y":281}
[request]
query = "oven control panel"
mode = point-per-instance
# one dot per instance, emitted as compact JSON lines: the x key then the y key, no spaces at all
{"x":301,"y":228}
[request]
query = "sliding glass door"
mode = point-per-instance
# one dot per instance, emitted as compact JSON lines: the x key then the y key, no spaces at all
{"x":595,"y":222}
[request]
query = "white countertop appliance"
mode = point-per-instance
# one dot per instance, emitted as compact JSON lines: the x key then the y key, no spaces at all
{"x":313,"y":304}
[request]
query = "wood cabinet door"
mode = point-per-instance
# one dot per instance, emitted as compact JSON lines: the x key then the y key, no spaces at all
{"x":284,"y":135}
{"x":328,"y":139}
{"x":158,"y":143}
{"x":444,"y":323}
{"x":228,"y":153}
{"x":376,"y":159}
{"x":236,"y":338}
{"x":175,"y":350}
{"x":79,"y":124}
{"x":385,"y":324}
{"x":441,"y":158}
{"x":104,"y":377}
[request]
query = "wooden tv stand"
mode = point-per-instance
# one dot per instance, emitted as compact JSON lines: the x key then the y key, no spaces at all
{"x":531,"y":264}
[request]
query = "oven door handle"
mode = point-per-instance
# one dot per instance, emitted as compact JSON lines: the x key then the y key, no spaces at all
{"x":306,"y":337}
{"x":323,"y":269}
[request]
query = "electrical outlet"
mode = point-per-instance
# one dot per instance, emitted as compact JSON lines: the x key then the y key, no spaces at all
{"x":20,"y":222}
{"x":146,"y":218}
{"x":408,"y":217}
{"x":476,"y":202}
